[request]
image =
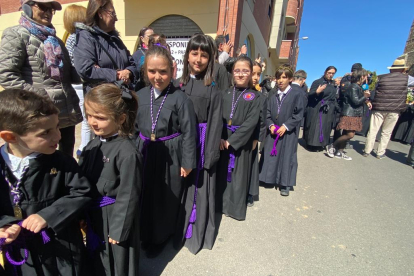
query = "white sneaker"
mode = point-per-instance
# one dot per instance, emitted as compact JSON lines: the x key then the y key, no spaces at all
{"x":330,"y":150}
{"x":342,"y":155}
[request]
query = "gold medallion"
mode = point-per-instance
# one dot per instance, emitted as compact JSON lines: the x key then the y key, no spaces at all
{"x":18,"y":212}
{"x":229,"y":123}
{"x":152,"y":137}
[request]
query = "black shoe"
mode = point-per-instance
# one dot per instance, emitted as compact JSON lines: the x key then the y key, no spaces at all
{"x":284,"y":191}
{"x":250,"y":201}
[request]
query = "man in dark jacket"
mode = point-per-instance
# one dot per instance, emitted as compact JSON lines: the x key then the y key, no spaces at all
{"x":388,"y":103}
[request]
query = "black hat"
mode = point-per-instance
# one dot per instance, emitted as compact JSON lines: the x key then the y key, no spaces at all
{"x":356,"y":66}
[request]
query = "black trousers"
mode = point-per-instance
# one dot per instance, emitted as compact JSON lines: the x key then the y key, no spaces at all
{"x":410,"y":158}
{"x":67,"y":142}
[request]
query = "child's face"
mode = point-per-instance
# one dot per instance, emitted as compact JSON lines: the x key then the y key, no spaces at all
{"x":197,"y":61}
{"x":283,"y":82}
{"x":257,"y":71}
{"x":43,"y":138}
{"x":101,"y":123}
{"x":242,"y":74}
{"x":159,"y":72}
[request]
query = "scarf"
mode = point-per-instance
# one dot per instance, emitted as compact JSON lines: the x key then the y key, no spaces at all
{"x":52,"y":49}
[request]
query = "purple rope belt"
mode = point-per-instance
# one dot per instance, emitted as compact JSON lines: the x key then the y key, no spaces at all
{"x":273,"y":152}
{"x":230,"y":167}
{"x":320,"y":121}
{"x":92,"y":239}
{"x":202,"y":128}
{"x":147,"y":140}
{"x":20,"y":243}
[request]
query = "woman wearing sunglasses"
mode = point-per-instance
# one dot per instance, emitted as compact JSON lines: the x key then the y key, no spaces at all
{"x":33,"y":58}
{"x":100,"y":56}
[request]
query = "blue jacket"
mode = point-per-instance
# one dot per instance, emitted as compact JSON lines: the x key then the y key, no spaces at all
{"x":93,"y":64}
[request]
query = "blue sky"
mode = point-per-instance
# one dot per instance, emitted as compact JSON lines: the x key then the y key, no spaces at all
{"x":342,"y":33}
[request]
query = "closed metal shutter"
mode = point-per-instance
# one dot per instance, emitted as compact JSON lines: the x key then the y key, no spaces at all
{"x":175,"y":26}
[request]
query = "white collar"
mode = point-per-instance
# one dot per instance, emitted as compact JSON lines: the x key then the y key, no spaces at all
{"x":296,"y":83}
{"x":157,"y":92}
{"x":284,"y":92}
{"x":192,"y":76}
{"x":104,"y":139}
{"x":16,"y":164}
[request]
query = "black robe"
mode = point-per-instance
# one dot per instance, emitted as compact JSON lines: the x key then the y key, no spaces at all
{"x":232,"y":196}
{"x":282,"y":168}
{"x":163,"y":184}
{"x":207,"y":106}
{"x":221,"y":76}
{"x":55,"y":189}
{"x":312,"y":125}
{"x":259,"y":135}
{"x":404,"y":129}
{"x":114,"y":169}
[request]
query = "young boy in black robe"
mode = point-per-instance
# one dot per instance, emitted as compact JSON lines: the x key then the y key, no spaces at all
{"x":284,"y":114}
{"x":113,"y":166}
{"x":42,"y":191}
{"x":241,"y":109}
{"x":166,"y":124}
{"x":197,"y":225}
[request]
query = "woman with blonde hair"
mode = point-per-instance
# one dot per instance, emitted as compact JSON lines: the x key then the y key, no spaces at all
{"x":72,"y":15}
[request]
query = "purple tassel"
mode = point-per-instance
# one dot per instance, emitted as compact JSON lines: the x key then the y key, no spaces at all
{"x":189,"y":232}
{"x":273,"y":152}
{"x":193,"y":216}
{"x":45,"y":237}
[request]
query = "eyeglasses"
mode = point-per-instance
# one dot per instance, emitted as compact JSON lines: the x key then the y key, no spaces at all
{"x":45,"y":8}
{"x":241,"y":72}
{"x":111,"y":13}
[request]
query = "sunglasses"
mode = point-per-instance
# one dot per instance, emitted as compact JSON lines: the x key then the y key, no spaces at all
{"x":44,"y":8}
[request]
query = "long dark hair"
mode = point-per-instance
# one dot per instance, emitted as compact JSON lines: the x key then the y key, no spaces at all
{"x":142,"y":33}
{"x":92,"y":16}
{"x":329,"y":68}
{"x":202,"y":42}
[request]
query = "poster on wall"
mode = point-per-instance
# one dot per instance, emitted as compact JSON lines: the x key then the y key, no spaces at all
{"x":177,"y":47}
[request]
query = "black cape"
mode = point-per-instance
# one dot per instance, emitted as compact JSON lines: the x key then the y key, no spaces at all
{"x":55,"y":189}
{"x":208,"y":109}
{"x":163,"y":184}
{"x":232,"y":196}
{"x":114,"y":169}
{"x":312,"y":125}
{"x":221,"y":76}
{"x":282,"y":168}
{"x":404,"y":130}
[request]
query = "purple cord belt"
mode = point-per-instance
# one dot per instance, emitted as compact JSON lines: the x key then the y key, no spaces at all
{"x":147,"y":140}
{"x":320,"y":121}
{"x":92,"y":239}
{"x":20,"y":243}
{"x":202,"y":128}
{"x":230,"y":167}
{"x":273,"y":152}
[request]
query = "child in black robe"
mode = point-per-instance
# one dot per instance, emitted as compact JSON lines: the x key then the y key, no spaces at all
{"x":241,"y":109}
{"x":197,"y":225}
{"x":113,"y":165}
{"x":285,"y":109}
{"x":42,"y":191}
{"x":166,"y":124}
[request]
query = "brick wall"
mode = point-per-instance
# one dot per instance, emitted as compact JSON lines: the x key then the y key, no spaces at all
{"x":229,"y":20}
{"x":8,"y":6}
{"x":409,"y":47}
{"x":292,"y":9}
{"x":261,"y":10}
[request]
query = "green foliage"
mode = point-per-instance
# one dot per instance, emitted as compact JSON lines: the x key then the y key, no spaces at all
{"x":374,"y":80}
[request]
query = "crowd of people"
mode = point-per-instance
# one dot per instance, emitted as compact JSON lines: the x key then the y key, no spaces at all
{"x":160,"y":156}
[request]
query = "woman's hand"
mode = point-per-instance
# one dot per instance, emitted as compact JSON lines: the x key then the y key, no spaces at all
{"x":34,"y":223}
{"x":10,"y":233}
{"x":124,"y":75}
{"x":321,"y":88}
{"x":185,"y":172}
{"x":369,"y":104}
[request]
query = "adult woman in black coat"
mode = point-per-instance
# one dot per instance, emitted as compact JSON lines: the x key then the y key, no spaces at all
{"x":320,"y":112}
{"x":351,"y":115}
{"x":100,"y":56}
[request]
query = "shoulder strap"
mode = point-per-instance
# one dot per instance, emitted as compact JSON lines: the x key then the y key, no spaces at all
{"x":103,"y":48}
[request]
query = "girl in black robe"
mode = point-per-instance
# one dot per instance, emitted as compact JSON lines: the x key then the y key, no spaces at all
{"x":197,"y":82}
{"x":166,"y":124}
{"x":320,"y":112}
{"x":284,"y":115}
{"x":113,"y":165}
{"x":259,"y":133}
{"x":241,"y":110}
{"x":52,"y":190}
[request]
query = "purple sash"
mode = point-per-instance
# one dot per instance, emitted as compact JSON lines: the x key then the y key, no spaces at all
{"x":273,"y":152}
{"x":193,"y":217}
{"x":230,"y":167}
{"x":20,"y":243}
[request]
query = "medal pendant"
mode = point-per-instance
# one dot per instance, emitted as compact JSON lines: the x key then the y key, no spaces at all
{"x":152,"y":137}
{"x":277,"y":116}
{"x":229,"y":123}
{"x":18,"y":212}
